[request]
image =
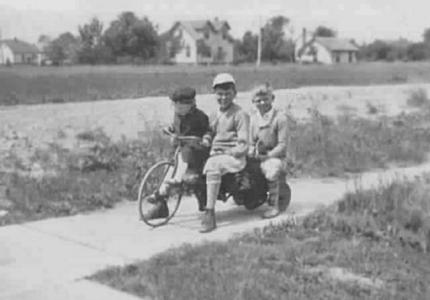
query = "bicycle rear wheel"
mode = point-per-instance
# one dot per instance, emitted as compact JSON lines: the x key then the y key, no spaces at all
{"x":156,"y":210}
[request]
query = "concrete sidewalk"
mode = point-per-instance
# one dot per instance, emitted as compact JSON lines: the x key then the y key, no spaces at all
{"x":50,"y":259}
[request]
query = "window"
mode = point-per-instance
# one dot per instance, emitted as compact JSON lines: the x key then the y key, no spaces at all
{"x":350,"y":57}
{"x":188,"y":51}
{"x":207,"y":35}
{"x":337,"y":57}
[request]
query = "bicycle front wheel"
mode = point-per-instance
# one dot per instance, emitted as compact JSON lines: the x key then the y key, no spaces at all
{"x":155,"y":209}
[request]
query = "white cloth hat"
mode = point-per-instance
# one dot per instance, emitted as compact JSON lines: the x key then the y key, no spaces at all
{"x":223,"y":78}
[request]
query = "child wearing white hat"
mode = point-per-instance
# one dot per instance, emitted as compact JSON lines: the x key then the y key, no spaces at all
{"x":230,"y":133}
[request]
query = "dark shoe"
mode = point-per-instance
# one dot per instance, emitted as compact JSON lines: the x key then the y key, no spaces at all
{"x":272,"y":212}
{"x":208,"y":221}
{"x":159,"y":208}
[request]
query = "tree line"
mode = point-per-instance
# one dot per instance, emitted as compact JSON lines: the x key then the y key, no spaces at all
{"x":127,"y":39}
{"x":398,"y":50}
{"x":130,"y":39}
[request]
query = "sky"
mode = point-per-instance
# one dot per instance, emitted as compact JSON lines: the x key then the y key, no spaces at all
{"x":363,"y":20}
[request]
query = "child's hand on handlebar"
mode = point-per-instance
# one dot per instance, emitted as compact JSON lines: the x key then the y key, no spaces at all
{"x":174,"y":139}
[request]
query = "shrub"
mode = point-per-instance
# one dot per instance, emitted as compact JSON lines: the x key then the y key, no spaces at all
{"x":327,"y":147}
{"x":418,"y":98}
{"x":371,"y":109}
{"x":98,"y":177}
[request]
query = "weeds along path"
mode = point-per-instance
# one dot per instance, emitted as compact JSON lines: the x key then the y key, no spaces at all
{"x":49,"y":256}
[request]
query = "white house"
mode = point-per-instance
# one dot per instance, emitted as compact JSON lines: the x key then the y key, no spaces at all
{"x":14,"y":51}
{"x":326,"y":50}
{"x":201,"y":41}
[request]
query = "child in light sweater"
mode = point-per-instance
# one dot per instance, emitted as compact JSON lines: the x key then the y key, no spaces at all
{"x":230,"y":133}
{"x":269,"y":133}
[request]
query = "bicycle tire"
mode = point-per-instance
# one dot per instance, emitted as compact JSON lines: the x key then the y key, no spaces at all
{"x":149,"y":185}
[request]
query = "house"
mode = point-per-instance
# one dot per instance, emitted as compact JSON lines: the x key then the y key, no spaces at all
{"x":199,"y":42}
{"x":14,"y":51}
{"x":325,"y":50}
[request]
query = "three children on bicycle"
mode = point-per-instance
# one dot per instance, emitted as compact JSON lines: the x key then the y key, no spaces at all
{"x":231,"y":135}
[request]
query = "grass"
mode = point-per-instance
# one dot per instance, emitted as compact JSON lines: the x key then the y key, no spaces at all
{"x":328,"y":147}
{"x":372,"y":244}
{"x":73,"y":182}
{"x":59,"y":182}
{"x":32,"y":85}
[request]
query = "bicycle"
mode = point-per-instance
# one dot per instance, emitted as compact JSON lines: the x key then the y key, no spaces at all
{"x":154,"y":178}
{"x":247,"y":187}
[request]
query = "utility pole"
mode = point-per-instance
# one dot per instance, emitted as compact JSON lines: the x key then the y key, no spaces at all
{"x":259,"y":43}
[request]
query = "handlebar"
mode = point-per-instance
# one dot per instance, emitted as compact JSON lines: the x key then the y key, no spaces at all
{"x":183,"y":138}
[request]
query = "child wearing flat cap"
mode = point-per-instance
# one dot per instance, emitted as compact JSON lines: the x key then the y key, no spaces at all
{"x":188,"y":120}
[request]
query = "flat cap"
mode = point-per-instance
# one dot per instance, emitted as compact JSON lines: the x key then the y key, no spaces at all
{"x":183,"y":94}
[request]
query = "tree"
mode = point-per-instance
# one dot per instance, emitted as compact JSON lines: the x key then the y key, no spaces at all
{"x":377,"y":50}
{"x":132,"y":36}
{"x":43,"y":41}
{"x":418,"y":51}
{"x":323,"y":31}
{"x":274,"y":44}
{"x":92,"y":48}
{"x":246,"y":49}
{"x":91,"y":33}
{"x":64,"y":47}
{"x":398,"y":50}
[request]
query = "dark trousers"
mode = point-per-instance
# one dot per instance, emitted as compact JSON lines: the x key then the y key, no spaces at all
{"x":195,"y":157}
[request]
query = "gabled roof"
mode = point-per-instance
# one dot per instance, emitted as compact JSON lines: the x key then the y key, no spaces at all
{"x":19,"y":47}
{"x":218,"y":25}
{"x":197,"y":28}
{"x":336,"y":44}
{"x":194,"y":28}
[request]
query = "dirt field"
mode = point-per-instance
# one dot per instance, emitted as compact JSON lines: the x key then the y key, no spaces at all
{"x":36,"y":125}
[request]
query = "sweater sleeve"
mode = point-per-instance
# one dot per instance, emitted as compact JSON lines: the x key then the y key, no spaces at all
{"x":252,"y":136}
{"x":242,"y":129}
{"x":282,"y":132}
{"x":210,"y":129}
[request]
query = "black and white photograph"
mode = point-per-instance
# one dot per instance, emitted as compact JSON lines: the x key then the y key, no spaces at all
{"x":214,"y":150}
